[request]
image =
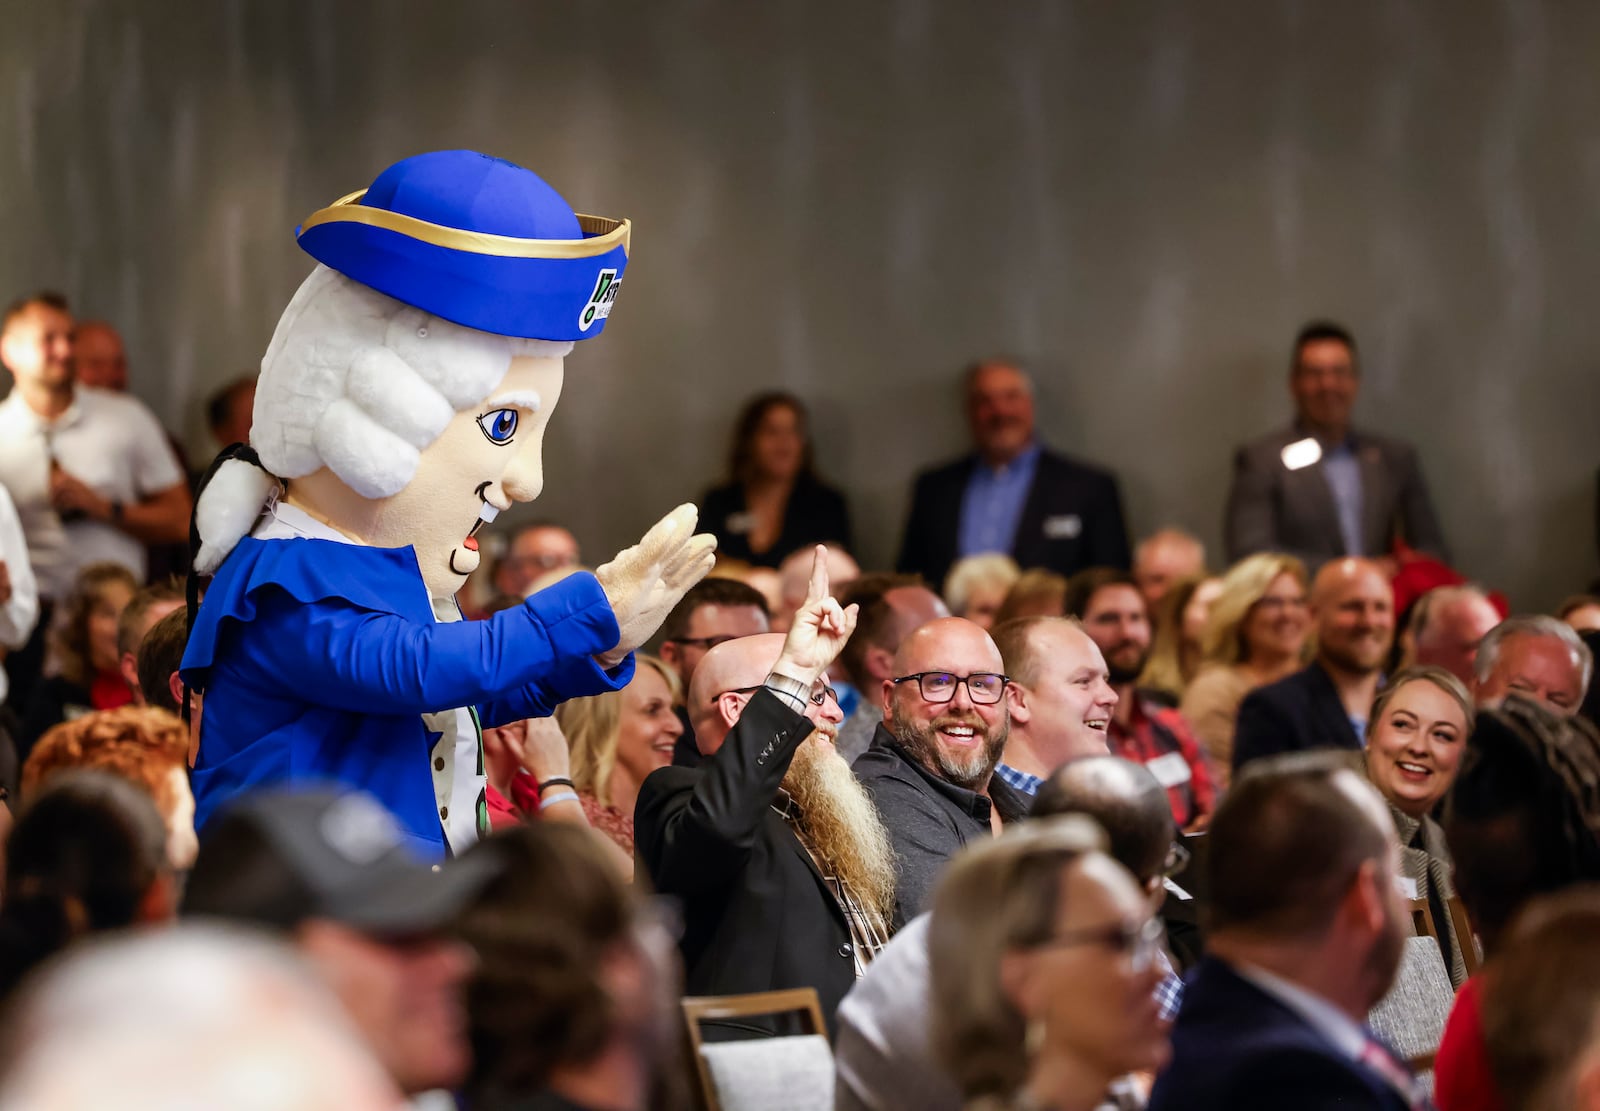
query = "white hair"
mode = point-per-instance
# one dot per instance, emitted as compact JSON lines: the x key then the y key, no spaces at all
{"x":192,"y":1016}
{"x":1540,"y":625}
{"x":357,"y":382}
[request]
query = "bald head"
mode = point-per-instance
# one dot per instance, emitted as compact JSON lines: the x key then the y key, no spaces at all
{"x":1163,"y":558}
{"x":1126,"y":800}
{"x":951,"y":644}
{"x":730,"y":666}
{"x":1353,"y":607}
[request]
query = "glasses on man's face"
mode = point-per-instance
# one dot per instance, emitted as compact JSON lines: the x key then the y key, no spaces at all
{"x":820,"y":693}
{"x":1141,"y":942}
{"x":983,"y":687}
{"x":1177,"y":860}
{"x":705,"y":643}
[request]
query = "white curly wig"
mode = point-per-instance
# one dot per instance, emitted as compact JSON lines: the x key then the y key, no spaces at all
{"x":357,"y":382}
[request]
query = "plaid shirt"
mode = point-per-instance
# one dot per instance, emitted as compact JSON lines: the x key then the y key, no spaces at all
{"x":868,"y":933}
{"x":1018,"y":781}
{"x":1158,"y":737}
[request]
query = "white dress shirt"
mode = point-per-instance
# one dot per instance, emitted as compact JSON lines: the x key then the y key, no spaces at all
{"x":20,"y":612}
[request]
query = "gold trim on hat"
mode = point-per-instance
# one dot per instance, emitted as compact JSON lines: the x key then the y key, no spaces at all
{"x":604,"y":235}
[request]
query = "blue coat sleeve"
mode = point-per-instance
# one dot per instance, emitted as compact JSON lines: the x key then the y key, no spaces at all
{"x":521,"y":661}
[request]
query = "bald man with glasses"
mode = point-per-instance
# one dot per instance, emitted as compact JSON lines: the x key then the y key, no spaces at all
{"x":930,"y":770}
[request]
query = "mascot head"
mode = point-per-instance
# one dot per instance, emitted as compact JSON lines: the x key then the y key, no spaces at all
{"x":405,"y":393}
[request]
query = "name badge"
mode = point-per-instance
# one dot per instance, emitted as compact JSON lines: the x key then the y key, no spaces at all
{"x":740,"y":523}
{"x":1175,"y":891}
{"x":1301,"y":454}
{"x":1068,"y":526}
{"x":1170,"y":770}
{"x":1407,"y":886}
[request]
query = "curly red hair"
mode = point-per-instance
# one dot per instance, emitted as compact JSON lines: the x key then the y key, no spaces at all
{"x":141,"y":744}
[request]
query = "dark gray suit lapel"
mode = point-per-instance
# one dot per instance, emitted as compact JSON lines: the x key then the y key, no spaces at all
{"x":1377,"y":502}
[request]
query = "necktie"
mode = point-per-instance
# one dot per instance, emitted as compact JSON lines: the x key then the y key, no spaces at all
{"x":1380,"y":1060}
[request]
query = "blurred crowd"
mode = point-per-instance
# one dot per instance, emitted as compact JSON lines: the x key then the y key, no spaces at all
{"x":1043,"y":818}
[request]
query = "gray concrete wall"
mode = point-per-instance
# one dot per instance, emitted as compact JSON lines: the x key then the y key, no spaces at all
{"x":851,"y":199}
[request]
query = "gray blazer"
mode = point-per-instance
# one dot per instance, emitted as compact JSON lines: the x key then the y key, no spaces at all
{"x":1271,"y":508}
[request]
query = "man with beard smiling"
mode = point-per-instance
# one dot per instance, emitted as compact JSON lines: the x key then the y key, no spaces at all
{"x":1115,"y":615}
{"x":930,"y":769}
{"x":783,"y":868}
{"x":1326,"y":705}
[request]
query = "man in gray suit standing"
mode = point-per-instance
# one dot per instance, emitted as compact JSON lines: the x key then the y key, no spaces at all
{"x":1319,"y":489}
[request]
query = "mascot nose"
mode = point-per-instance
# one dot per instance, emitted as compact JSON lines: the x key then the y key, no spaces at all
{"x":524,"y":478}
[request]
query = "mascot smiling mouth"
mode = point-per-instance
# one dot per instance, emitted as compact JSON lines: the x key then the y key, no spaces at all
{"x":486,"y":515}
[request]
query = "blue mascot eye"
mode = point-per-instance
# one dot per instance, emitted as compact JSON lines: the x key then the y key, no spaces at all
{"x":500,"y":425}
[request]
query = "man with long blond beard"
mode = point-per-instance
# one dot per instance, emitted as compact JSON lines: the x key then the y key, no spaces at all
{"x":782,"y":865}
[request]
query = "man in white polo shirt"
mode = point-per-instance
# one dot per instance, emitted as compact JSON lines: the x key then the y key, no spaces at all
{"x":91,"y":472}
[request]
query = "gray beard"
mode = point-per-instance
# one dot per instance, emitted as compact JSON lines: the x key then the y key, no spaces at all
{"x":843,"y":829}
{"x":973,"y":772}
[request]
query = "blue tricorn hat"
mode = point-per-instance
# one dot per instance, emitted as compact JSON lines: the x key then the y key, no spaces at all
{"x":478,"y":241}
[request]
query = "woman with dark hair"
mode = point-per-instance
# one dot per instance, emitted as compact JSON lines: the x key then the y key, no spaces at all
{"x":85,"y":647}
{"x":1522,"y":820}
{"x":88,"y":853}
{"x":572,"y":1004}
{"x":773,"y":502}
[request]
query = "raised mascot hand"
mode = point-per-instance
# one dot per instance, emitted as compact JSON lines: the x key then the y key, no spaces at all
{"x":645,"y":581}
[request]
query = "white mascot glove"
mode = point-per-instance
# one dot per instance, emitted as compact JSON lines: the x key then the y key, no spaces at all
{"x":645,"y":581}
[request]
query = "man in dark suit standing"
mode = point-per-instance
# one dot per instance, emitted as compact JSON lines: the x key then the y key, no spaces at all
{"x":1308,"y":926}
{"x":1320,"y":489}
{"x":783,"y":868}
{"x":1326,"y":705}
{"x":1011,"y":495}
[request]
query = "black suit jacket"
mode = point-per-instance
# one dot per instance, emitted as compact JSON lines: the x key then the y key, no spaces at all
{"x":1072,"y":519}
{"x":816,"y":514}
{"x":1302,"y":711}
{"x":1271,"y":508}
{"x":1236,"y":1048}
{"x":758,"y":916}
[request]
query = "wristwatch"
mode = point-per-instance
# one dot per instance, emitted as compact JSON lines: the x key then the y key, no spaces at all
{"x":789,"y":687}
{"x":116,"y":512}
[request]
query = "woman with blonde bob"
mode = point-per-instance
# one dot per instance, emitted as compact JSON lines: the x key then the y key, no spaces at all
{"x":1041,"y":956}
{"x":1258,"y":633}
{"x":1180,"y":625}
{"x":616,"y":740}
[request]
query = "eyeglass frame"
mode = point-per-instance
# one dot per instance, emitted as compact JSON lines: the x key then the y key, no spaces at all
{"x":1176,"y":860}
{"x":1140,"y":943}
{"x":825,"y":693}
{"x":706,"y":643}
{"x":960,"y":681}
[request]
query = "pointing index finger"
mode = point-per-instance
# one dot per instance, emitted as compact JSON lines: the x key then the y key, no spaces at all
{"x":818,"y":590}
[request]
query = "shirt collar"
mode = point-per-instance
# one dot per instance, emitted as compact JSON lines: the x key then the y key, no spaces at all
{"x":69,"y":416}
{"x":298,"y":520}
{"x":970,"y":802}
{"x":1333,"y":1024}
{"x":1025,"y":460}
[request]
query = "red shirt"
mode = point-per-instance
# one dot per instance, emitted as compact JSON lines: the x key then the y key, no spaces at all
{"x":1161,"y":740}
{"x":1461,"y":1077}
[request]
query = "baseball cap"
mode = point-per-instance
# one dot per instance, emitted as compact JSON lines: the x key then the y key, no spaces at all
{"x":279,"y":858}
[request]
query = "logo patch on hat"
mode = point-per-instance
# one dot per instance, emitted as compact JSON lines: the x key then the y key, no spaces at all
{"x":359,"y":830}
{"x":599,"y":306}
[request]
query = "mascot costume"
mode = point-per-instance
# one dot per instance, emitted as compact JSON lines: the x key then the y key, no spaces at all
{"x":401,"y":406}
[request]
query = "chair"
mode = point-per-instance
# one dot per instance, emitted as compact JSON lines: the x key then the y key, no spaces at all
{"x":1471,"y":956}
{"x":792,"y":1073}
{"x":1411,"y":1017}
{"x":1422,"y":923}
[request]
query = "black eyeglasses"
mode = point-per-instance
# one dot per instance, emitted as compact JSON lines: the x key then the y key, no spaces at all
{"x":983,"y":687}
{"x":819,"y":693}
{"x":1141,"y":942}
{"x":708,"y":643}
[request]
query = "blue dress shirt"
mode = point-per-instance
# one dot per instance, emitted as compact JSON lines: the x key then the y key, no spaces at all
{"x":992,"y":504}
{"x":1343,"y":471}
